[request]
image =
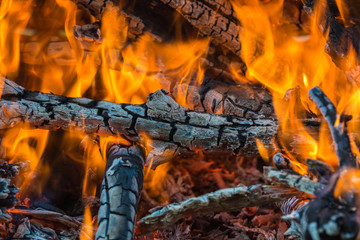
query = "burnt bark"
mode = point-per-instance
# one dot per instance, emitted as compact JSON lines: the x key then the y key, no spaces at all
{"x":120,"y":192}
{"x":210,"y":22}
{"x":173,"y":129}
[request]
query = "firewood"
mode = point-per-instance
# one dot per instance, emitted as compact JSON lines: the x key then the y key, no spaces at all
{"x":210,"y":22}
{"x":230,"y":199}
{"x":120,"y":192}
{"x":171,"y":127}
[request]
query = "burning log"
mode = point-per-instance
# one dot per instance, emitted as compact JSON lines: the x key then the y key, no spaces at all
{"x":224,"y":200}
{"x":172,"y":128}
{"x":120,"y":192}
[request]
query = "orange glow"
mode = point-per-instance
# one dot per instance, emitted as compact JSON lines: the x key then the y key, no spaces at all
{"x":283,"y":60}
{"x":86,"y":231}
{"x":349,"y":181}
{"x":263,"y":151}
{"x":12,"y":25}
{"x":153,"y":180}
{"x":27,"y":145}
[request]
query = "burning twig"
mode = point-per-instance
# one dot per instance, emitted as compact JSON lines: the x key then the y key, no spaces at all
{"x":230,"y":199}
{"x":121,"y":189}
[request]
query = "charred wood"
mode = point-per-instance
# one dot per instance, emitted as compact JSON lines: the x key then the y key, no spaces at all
{"x":48,"y":216}
{"x":210,"y":22}
{"x":173,"y":129}
{"x":338,"y":130}
{"x":120,"y":192}
{"x":230,"y":199}
{"x":329,"y":216}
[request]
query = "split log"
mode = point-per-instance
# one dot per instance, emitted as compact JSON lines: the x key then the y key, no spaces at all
{"x":172,"y":129}
{"x":120,"y":193}
{"x":224,"y":200}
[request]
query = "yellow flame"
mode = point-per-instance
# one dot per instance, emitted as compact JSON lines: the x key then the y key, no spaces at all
{"x":12,"y":24}
{"x":349,"y":181}
{"x":281,"y":61}
{"x":263,"y":151}
{"x":344,"y":12}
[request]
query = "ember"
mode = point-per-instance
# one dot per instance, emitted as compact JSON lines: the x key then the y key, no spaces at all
{"x":166,"y":119}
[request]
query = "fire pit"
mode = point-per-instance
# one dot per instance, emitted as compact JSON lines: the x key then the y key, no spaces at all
{"x":166,"y":119}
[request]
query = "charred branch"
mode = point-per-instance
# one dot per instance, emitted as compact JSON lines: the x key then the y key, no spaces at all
{"x":338,"y":130}
{"x":329,"y":216}
{"x":49,"y":216}
{"x":230,"y":199}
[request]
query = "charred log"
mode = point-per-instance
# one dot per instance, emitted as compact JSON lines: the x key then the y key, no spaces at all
{"x":120,"y":192}
{"x":172,"y":128}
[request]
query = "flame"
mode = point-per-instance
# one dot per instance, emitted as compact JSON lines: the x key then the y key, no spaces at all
{"x":344,"y":11}
{"x":21,"y":144}
{"x":263,"y":151}
{"x":12,"y":24}
{"x":283,"y":60}
{"x":349,"y":181}
{"x":86,"y":231}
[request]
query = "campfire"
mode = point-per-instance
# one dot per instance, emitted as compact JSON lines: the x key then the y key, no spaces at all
{"x":167,"y":119}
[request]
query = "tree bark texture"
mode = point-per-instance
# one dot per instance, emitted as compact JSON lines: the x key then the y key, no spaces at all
{"x":172,"y":129}
{"x":120,"y":192}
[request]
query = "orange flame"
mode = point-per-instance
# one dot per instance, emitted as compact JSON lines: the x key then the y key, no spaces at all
{"x":86,"y":232}
{"x":283,"y":60}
